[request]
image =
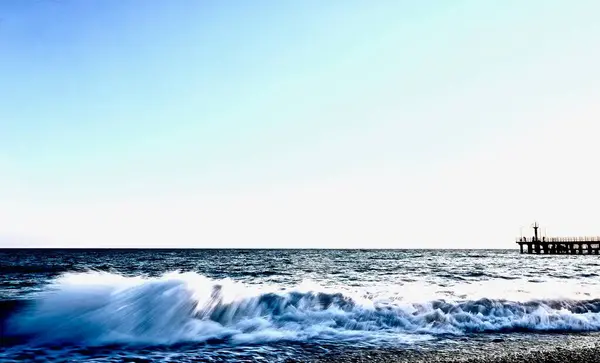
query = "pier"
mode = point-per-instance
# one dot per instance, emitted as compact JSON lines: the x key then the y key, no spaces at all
{"x":558,"y":245}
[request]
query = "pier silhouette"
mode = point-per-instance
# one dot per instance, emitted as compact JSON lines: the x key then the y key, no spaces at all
{"x":558,"y":245}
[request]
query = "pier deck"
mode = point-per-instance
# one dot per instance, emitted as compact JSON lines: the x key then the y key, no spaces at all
{"x":561,"y":245}
{"x":558,"y":245}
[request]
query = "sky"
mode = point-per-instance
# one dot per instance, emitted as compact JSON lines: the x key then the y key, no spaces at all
{"x":280,"y":124}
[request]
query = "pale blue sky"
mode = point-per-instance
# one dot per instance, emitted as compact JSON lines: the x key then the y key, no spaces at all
{"x":295,"y":123}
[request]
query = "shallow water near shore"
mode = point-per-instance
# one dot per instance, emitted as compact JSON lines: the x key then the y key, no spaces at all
{"x":278,"y":305}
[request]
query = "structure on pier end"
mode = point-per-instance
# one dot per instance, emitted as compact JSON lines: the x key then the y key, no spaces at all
{"x":558,"y":245}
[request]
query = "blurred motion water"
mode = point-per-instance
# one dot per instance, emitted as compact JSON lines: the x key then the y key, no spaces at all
{"x":203,"y":305}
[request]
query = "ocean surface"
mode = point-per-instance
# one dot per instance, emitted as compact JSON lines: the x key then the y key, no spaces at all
{"x":273,"y":305}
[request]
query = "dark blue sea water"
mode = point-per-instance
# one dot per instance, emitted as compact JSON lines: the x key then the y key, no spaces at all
{"x":272,"y":305}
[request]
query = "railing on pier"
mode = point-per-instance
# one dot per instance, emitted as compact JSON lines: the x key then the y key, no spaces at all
{"x":560,"y":239}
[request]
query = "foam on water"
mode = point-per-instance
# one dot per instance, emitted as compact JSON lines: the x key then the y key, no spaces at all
{"x":96,"y":308}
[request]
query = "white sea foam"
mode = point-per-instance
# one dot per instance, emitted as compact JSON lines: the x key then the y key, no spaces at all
{"x":100,"y":308}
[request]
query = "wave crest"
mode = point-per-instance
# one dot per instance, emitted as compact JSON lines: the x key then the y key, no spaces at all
{"x":96,"y":308}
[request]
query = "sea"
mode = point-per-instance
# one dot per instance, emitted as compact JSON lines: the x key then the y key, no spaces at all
{"x":226,"y":305}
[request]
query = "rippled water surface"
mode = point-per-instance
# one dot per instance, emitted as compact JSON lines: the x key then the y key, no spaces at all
{"x":203,"y":305}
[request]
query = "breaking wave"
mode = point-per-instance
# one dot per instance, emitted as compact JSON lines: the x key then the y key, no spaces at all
{"x":97,"y":308}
